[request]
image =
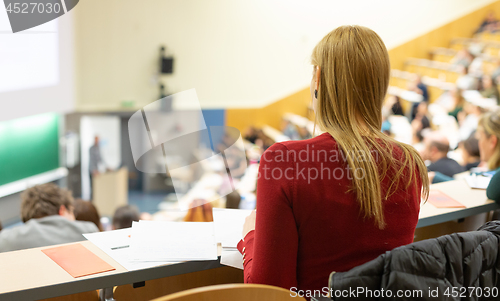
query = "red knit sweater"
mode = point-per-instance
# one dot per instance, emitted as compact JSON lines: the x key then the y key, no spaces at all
{"x":308,"y":225}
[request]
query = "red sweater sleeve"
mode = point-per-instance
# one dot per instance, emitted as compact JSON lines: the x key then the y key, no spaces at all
{"x":270,"y":252}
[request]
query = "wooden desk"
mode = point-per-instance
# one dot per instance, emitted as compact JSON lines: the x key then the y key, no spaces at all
{"x":474,"y":199}
{"x":31,"y":275}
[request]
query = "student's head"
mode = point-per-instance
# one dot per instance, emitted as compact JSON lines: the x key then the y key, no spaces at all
{"x":44,"y":200}
{"x":458,"y":99}
{"x":488,"y":136}
{"x":491,"y":16}
{"x":96,"y":140}
{"x":233,"y":200}
{"x":416,"y":79}
{"x":470,"y":149}
{"x":86,"y":211}
{"x":422,"y":109}
{"x":461,"y":54}
{"x":470,"y":108}
{"x":462,"y":70}
{"x":351,"y":76}
{"x":124,"y":216}
{"x":487,"y":81}
{"x":436,"y":146}
{"x":469,"y":55}
{"x":284,"y":124}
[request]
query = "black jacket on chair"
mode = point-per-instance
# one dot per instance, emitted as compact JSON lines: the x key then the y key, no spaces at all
{"x":459,"y":266}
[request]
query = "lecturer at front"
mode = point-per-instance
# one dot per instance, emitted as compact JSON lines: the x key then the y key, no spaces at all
{"x":340,"y":199}
{"x":95,"y":160}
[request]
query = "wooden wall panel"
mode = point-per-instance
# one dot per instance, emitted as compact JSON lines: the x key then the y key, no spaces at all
{"x":271,"y":114}
{"x":419,"y":47}
{"x":462,"y":27}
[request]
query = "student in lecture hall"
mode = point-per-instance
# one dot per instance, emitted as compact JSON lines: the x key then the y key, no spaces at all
{"x":340,"y":199}
{"x":47,"y":213}
{"x":124,"y":216}
{"x":87,"y":212}
{"x":488,"y":136}
{"x":436,"y":148}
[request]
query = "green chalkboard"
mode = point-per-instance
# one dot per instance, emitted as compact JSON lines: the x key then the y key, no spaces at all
{"x":28,"y":146}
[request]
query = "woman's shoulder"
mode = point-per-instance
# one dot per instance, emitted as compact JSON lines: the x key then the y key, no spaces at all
{"x":323,"y":140}
{"x":326,"y":142}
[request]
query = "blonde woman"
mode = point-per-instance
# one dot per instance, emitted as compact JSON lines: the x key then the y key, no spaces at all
{"x":488,"y":136}
{"x":340,"y":199}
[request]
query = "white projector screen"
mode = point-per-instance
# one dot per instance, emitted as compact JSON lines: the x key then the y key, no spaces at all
{"x":36,"y":68}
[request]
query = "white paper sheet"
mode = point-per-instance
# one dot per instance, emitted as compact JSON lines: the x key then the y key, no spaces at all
{"x":229,"y":225}
{"x":232,"y":258}
{"x":117,"y":245}
{"x":478,"y":182}
{"x":173,"y":241}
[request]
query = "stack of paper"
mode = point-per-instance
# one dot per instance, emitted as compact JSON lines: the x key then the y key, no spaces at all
{"x":148,"y":244}
{"x":228,"y":232}
{"x":173,"y":241}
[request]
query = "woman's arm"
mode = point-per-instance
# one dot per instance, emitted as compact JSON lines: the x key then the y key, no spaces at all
{"x":493,"y":190}
{"x":270,"y":252}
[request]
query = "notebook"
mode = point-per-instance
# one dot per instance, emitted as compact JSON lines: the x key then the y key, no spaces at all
{"x":77,"y":260}
{"x":441,"y":200}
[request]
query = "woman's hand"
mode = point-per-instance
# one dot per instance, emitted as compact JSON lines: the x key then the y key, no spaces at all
{"x":249,"y":224}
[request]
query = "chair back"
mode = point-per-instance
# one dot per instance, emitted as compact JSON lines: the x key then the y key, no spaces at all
{"x":85,"y":296}
{"x":231,"y":292}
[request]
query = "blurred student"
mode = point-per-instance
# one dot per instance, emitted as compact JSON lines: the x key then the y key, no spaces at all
{"x":470,"y":153}
{"x":462,"y":58}
{"x":124,"y":216}
{"x":488,"y":136}
{"x":199,"y":211}
{"x":466,"y":81}
{"x":490,"y":23}
{"x":304,"y":133}
{"x":86,"y":211}
{"x":251,"y":134}
{"x":436,"y":150}
{"x":421,"y":121}
{"x":419,"y":87}
{"x":289,"y":130}
{"x":490,"y":89}
{"x":307,"y":226}
{"x":476,"y":66}
{"x":233,"y":200}
{"x":457,"y":103}
{"x":397,"y":108}
{"x":468,"y":119}
{"x":393,"y":106}
{"x":496,"y":72}
{"x":47,"y":213}
{"x":95,"y":160}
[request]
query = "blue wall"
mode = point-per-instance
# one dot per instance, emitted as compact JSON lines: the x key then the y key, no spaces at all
{"x":214,"y":118}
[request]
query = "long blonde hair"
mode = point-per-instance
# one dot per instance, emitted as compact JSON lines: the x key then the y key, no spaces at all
{"x":490,"y":123}
{"x":354,"y":77}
